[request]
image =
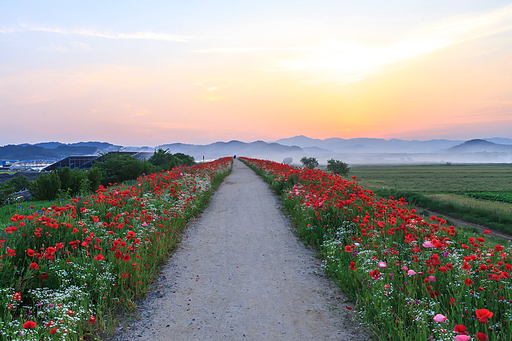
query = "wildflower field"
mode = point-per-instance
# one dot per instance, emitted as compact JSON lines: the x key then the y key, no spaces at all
{"x":411,"y":279}
{"x":65,"y":271}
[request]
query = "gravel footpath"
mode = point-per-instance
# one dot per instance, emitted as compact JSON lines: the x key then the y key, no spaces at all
{"x":241,"y":274}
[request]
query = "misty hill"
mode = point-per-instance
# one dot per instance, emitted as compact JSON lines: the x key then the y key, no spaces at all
{"x":103,"y":146}
{"x":257,"y":149}
{"x":479,"y":146}
{"x":33,"y":152}
{"x":371,"y":145}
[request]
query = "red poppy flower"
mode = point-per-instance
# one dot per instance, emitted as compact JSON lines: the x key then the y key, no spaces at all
{"x":481,"y":336}
{"x":99,"y":257}
{"x":460,"y":329}
{"x":483,"y":315}
{"x":126,"y":258}
{"x":375,"y":274}
{"x":34,"y":266}
{"x":29,"y":325}
{"x":468,"y":282}
{"x":92,"y":319}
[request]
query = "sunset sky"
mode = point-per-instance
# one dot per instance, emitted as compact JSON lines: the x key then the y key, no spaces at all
{"x":144,"y":73}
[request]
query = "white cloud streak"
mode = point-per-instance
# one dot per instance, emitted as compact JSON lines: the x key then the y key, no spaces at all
{"x":75,"y":47}
{"x":147,"y":35}
{"x":252,"y":49}
{"x":346,"y":62}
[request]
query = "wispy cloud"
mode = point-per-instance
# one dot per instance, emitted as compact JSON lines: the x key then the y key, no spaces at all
{"x":471,"y":26}
{"x":344,"y":62}
{"x":74,"y":47}
{"x":252,"y":49}
{"x":352,"y":62}
{"x":146,"y":35}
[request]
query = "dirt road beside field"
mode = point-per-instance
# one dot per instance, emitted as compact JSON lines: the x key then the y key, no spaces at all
{"x":464,"y":223}
{"x":241,"y":274}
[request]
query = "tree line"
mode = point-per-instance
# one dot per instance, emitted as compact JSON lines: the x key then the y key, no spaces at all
{"x":334,"y":166}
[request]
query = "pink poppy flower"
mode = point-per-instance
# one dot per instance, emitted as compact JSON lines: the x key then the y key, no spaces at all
{"x":428,"y":244}
{"x":462,"y":337}
{"x":440,"y":318}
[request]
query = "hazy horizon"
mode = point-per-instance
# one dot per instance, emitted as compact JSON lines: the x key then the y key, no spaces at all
{"x":146,"y":74}
{"x":249,"y":141}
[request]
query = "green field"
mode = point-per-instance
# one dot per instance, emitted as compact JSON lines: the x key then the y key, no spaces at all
{"x":461,"y":191}
{"x":437,"y":179}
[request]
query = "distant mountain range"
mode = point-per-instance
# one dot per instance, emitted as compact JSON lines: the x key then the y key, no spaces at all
{"x":480,"y":146}
{"x":371,"y":145}
{"x":354,"y":151}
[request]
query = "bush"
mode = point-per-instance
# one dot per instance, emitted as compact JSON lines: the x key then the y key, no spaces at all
{"x":46,"y":186}
{"x":94,"y":176}
{"x":185,"y":160}
{"x":72,"y":181}
{"x":338,"y":167}
{"x":164,"y":160}
{"x":309,"y":162}
{"x":117,"y":168}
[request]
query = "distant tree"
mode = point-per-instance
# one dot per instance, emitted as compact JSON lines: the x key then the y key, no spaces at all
{"x":78,"y":176}
{"x":94,"y":176}
{"x":46,"y":186}
{"x":117,"y":168}
{"x":72,"y":181}
{"x":147,"y":167}
{"x":185,"y":159}
{"x":309,"y":162}
{"x":162,"y":159}
{"x":287,"y":160}
{"x":338,"y":167}
{"x":64,"y":174}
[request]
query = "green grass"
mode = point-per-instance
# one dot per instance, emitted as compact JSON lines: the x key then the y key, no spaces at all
{"x":474,"y":203}
{"x":437,"y":179}
{"x":7,"y":211}
{"x":492,"y":196}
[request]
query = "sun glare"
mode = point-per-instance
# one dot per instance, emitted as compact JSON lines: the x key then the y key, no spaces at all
{"x":345,"y":62}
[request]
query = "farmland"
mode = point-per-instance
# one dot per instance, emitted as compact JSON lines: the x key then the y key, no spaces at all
{"x":461,"y":191}
{"x":437,"y":179}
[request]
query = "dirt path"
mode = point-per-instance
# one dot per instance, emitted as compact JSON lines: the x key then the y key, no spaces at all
{"x":242,"y":275}
{"x":464,"y":223}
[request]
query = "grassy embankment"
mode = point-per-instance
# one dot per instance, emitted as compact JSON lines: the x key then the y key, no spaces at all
{"x":444,"y":189}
